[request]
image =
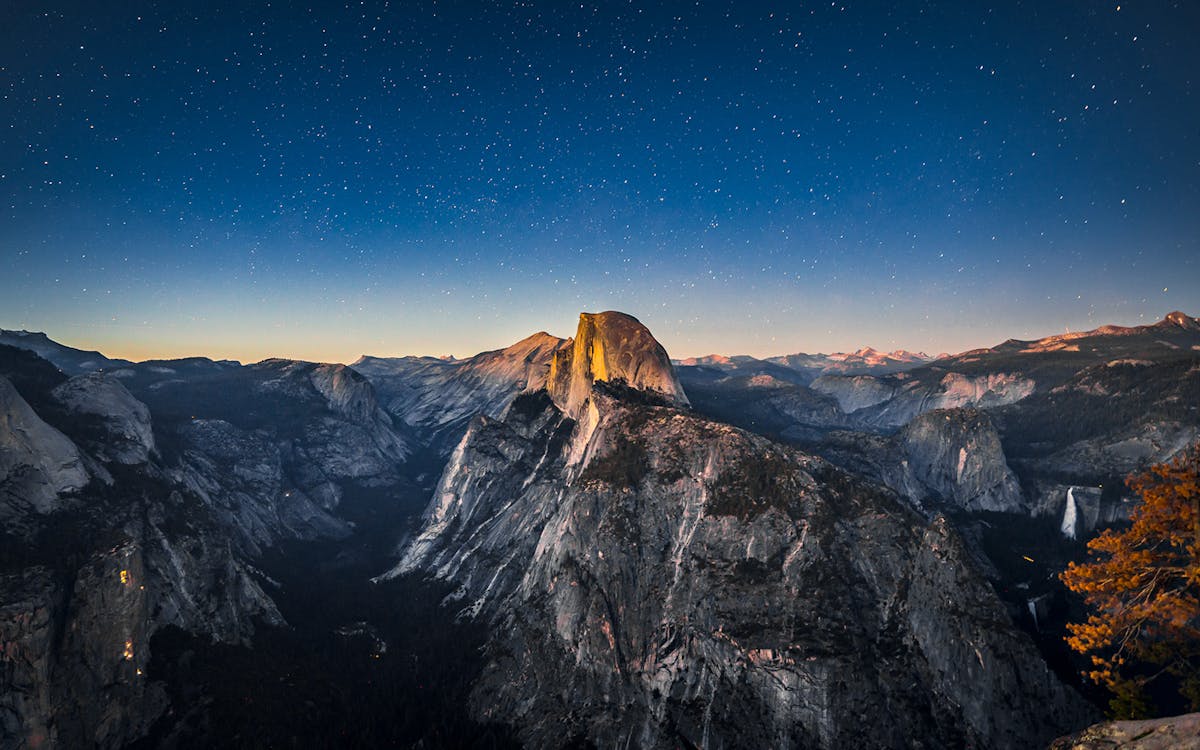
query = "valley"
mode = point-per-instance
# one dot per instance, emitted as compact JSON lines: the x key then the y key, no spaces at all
{"x":566,"y":542}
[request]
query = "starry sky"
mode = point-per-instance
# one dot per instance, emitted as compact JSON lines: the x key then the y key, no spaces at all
{"x":322,"y":180}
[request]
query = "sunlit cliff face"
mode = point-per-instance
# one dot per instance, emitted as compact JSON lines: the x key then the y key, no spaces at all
{"x":611,"y":347}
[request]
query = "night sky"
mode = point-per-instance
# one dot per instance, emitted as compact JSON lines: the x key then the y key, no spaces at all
{"x":324,"y":180}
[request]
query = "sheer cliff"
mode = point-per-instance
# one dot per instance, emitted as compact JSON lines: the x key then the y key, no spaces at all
{"x":655,"y":579}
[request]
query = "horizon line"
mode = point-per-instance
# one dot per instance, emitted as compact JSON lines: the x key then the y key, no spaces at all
{"x":941,"y":353}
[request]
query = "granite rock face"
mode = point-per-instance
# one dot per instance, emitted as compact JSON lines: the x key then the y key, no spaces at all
{"x":117,"y":523}
{"x":354,"y":437}
{"x":616,"y":348}
{"x":654,"y":579}
{"x":1168,"y":733}
{"x":887,"y":402}
{"x":324,"y":421}
{"x":38,"y":464}
{"x":439,"y":397}
{"x":948,"y":460}
{"x":955,"y":455}
{"x":127,"y":436}
{"x":76,"y":629}
{"x":245,"y":479}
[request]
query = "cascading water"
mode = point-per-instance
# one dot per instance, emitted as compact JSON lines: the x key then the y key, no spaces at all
{"x":1070,"y":515}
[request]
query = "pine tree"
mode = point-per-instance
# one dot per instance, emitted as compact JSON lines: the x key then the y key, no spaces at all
{"x":1142,"y":586}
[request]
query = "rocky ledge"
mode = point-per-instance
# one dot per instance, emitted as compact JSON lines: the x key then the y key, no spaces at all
{"x":1170,"y":733}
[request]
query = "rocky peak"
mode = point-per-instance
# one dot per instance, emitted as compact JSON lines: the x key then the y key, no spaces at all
{"x":1182,"y":320}
{"x":709,"y":359}
{"x":524,"y":362}
{"x":611,"y":347}
{"x":536,"y":342}
{"x":347,"y":392}
{"x":128,"y":435}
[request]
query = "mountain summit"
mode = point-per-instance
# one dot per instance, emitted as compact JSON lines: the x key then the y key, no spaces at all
{"x":650,"y":578}
{"x":616,"y":348}
{"x":1182,"y":320}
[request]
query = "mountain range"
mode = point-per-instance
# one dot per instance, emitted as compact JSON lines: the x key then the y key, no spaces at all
{"x":865,"y":360}
{"x":566,"y":542}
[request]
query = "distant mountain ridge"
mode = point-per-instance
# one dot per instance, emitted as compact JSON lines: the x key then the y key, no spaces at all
{"x":1172,"y":324}
{"x":1074,"y":410}
{"x":73,"y":361}
{"x":871,"y":361}
{"x":864,"y":360}
{"x":70,"y":360}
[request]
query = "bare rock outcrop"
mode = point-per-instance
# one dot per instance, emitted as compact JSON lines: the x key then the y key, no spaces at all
{"x":654,"y":579}
{"x":885,"y":402}
{"x":1168,"y":733}
{"x":955,"y":455}
{"x":128,"y":437}
{"x":616,"y":348}
{"x":439,"y":397}
{"x":38,"y":464}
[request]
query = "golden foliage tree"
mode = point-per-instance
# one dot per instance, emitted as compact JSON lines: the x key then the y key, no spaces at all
{"x":1142,"y":586}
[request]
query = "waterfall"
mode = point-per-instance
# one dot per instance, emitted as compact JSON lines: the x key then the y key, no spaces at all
{"x":1070,"y":515}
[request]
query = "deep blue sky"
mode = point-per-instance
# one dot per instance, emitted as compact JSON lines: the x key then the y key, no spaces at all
{"x":323,"y":180}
